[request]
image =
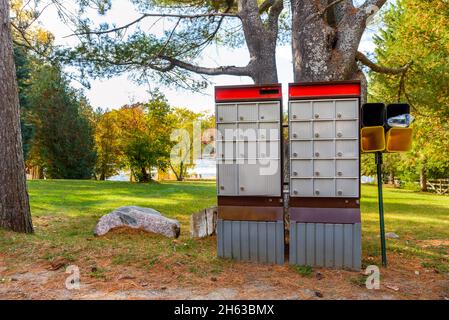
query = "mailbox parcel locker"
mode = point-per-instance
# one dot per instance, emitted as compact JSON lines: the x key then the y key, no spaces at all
{"x":249,"y":173}
{"x":324,"y":131}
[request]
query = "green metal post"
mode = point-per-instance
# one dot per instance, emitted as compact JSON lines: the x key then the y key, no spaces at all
{"x":381,"y":208}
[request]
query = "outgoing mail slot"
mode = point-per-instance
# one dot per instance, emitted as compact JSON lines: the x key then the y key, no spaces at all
{"x":347,"y":168}
{"x":323,"y":110}
{"x":247,"y":150}
{"x":301,"y":188}
{"x":347,"y":149}
{"x":323,"y":149}
{"x":225,"y":150}
{"x":247,"y":131}
{"x":373,"y":139}
{"x":323,"y":130}
{"x":226,"y":112}
{"x":399,"y":139}
{"x":268,"y":149}
{"x":248,"y":112}
{"x":259,"y":179}
{"x":226,"y":131}
{"x":302,"y":169}
{"x":323,"y":168}
{"x":324,"y":187}
{"x":268,"y":131}
{"x":346,"y":109}
{"x":269,"y":111}
{"x":301,"y":130}
{"x":227,"y":179}
{"x":347,"y":188}
{"x":301,"y":149}
{"x":346,"y":129}
{"x":301,"y":110}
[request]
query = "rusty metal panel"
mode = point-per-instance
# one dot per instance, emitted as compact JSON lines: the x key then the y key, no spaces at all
{"x":326,"y":245}
{"x":251,"y":241}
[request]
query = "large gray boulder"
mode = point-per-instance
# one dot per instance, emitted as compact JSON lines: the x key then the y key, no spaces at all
{"x":134,"y":217}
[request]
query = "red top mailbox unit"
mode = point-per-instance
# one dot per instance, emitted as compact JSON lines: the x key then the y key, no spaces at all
{"x":324,"y":201}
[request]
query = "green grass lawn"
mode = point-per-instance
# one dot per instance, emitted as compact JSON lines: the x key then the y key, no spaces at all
{"x":65,"y":213}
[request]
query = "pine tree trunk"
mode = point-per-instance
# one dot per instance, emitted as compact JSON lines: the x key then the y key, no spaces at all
{"x":14,"y":203}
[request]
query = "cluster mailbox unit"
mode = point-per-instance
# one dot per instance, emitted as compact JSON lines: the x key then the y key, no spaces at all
{"x":324,"y":131}
{"x":250,"y":222}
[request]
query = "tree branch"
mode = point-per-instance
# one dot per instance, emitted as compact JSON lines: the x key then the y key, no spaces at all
{"x":370,"y":7}
{"x":381,"y":69}
{"x":159,"y":15}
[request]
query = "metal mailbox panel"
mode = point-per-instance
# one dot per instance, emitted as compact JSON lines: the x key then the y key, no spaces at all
{"x":301,"y":110}
{"x":324,"y":187}
{"x":302,"y":169}
{"x":301,"y":187}
{"x":324,"y":168}
{"x":347,"y":187}
{"x":268,"y":131}
{"x":346,"y":129}
{"x":323,"y":110}
{"x":268,"y":149}
{"x":301,"y":149}
{"x":226,"y":150}
{"x":347,"y":148}
{"x":323,"y":130}
{"x":226,"y":131}
{"x":247,"y":149}
{"x":269,"y":111}
{"x":323,"y":149}
{"x":301,"y":130}
{"x":347,"y":168}
{"x":227,"y":179}
{"x":257,"y":179}
{"x":346,"y":109}
{"x":248,"y":112}
{"x":247,"y":131}
{"x":226,"y":112}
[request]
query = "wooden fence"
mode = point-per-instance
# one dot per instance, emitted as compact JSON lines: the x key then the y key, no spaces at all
{"x":439,"y":186}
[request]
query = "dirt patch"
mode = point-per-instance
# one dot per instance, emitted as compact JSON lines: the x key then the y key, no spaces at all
{"x":403,"y":279}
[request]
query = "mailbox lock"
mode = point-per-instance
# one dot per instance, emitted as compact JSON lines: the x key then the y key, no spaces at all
{"x":221,"y":187}
{"x":339,"y":115}
{"x":262,"y":117}
{"x":317,"y":135}
{"x":317,"y":154}
{"x":317,"y":192}
{"x":221,"y":118}
{"x":340,"y":192}
{"x":317,"y":173}
{"x":295,"y":154}
{"x":242,"y":188}
{"x":295,"y":135}
{"x":339,"y":134}
{"x":339,"y":154}
{"x":294,"y":116}
{"x":340,"y":173}
{"x":317,"y":115}
{"x":295,"y":191}
{"x":295,"y":173}
{"x":241,"y":118}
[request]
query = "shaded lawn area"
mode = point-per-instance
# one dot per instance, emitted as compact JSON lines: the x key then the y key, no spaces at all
{"x":65,"y":213}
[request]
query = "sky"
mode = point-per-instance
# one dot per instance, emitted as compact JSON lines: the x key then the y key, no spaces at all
{"x":117,"y":91}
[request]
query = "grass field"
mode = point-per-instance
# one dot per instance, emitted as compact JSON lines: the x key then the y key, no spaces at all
{"x":65,"y":213}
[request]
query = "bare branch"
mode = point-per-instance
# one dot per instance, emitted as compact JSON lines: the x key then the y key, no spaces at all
{"x":159,"y":15}
{"x":381,"y":69}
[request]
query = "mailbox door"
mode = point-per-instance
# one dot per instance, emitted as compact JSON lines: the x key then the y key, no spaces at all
{"x":347,"y":148}
{"x":301,"y":130}
{"x":323,"y":168}
{"x":248,"y":112}
{"x":302,"y":169}
{"x":226,"y":131}
{"x":324,"y":187}
{"x":269,"y":131}
{"x":227,"y":179}
{"x":257,"y":179}
{"x":346,"y":109}
{"x":346,"y":129}
{"x":323,"y":149}
{"x":323,"y":110}
{"x":301,"y":188}
{"x":347,"y":188}
{"x":301,"y":149}
{"x":226,"y":112}
{"x":347,"y":168}
{"x":301,"y":110}
{"x":269,"y":111}
{"x":323,"y":130}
